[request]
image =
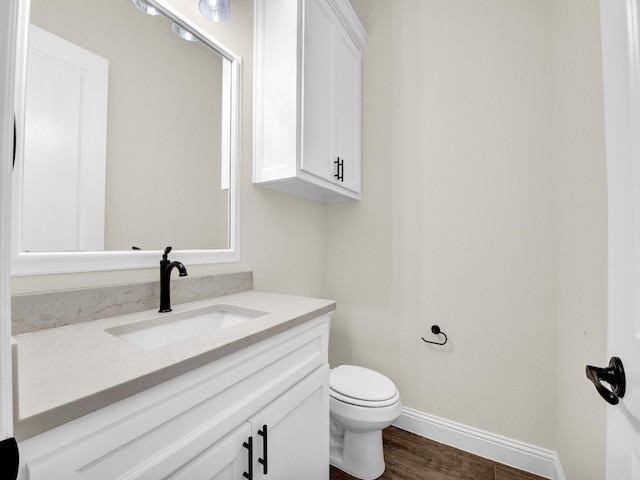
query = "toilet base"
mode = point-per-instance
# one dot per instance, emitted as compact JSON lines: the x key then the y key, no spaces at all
{"x":358,"y":454}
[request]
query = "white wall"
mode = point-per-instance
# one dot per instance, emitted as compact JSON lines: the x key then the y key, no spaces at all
{"x":457,"y":222}
{"x":581,"y":203}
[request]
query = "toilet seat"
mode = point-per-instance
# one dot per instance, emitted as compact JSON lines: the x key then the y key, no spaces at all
{"x":364,"y":403}
{"x":361,"y":386}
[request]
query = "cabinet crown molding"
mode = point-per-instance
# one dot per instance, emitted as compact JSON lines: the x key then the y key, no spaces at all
{"x":350,"y":21}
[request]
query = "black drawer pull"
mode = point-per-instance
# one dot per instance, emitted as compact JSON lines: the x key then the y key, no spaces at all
{"x":263,"y":461}
{"x":249,"y":446}
{"x":339,"y":169}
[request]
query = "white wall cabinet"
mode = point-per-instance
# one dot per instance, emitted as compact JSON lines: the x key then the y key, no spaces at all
{"x":308,"y":98}
{"x":207,"y":423}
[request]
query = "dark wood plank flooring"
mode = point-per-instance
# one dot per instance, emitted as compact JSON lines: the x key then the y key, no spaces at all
{"x":412,"y":457}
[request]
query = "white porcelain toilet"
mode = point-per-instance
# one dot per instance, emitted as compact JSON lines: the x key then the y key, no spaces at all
{"x":362,"y":402}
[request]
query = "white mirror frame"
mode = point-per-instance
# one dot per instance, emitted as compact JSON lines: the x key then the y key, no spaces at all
{"x":35,"y":263}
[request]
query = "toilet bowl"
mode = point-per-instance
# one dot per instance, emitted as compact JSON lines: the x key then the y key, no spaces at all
{"x":362,"y":402}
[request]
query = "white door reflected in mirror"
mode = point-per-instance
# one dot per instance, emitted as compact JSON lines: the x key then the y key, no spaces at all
{"x":63,"y":173}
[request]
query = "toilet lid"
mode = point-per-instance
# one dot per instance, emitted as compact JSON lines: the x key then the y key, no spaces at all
{"x":361,"y":383}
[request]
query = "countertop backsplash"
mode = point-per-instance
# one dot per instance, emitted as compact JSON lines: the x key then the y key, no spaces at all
{"x":33,"y":312}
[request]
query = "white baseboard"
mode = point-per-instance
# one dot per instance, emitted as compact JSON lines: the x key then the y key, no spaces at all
{"x":500,"y":449}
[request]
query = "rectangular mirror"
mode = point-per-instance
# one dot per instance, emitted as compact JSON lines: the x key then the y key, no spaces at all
{"x":127,"y":139}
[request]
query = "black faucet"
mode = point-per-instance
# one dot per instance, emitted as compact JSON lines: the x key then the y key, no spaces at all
{"x":165,"y":276}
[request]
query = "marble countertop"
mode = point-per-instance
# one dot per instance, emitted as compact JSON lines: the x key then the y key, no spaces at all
{"x":66,"y":372}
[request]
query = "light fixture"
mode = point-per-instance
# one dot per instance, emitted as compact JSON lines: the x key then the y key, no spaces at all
{"x":215,"y":10}
{"x":182,"y":33}
{"x":145,"y":7}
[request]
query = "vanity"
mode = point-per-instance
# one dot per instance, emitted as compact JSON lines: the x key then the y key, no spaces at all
{"x":248,"y":400}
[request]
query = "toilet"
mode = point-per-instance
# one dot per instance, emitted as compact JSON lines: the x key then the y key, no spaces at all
{"x":362,"y":402}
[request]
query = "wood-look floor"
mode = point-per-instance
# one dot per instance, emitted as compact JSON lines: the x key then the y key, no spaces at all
{"x":412,"y":457}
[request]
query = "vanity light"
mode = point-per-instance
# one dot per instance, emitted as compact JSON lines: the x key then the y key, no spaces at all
{"x":215,"y":10}
{"x":182,"y":33}
{"x":145,"y":7}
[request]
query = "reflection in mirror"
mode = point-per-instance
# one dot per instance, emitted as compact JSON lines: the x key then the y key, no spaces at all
{"x":130,"y":139}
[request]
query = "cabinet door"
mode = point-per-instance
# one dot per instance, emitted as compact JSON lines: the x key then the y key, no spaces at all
{"x":224,"y":460}
{"x":318,"y":111}
{"x":347,"y":109}
{"x":297,"y":426}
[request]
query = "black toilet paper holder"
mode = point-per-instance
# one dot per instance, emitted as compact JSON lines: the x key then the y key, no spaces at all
{"x":435,"y":329}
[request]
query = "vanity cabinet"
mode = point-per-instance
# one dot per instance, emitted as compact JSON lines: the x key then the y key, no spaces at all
{"x":224,"y":460}
{"x":261,"y":412}
{"x":308,"y":98}
{"x":290,"y":433}
{"x":281,"y":441}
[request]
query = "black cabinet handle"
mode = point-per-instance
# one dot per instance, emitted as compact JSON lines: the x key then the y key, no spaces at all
{"x":339,"y":169}
{"x":613,"y":375}
{"x":249,"y":446}
{"x":263,"y":461}
{"x":13,"y":165}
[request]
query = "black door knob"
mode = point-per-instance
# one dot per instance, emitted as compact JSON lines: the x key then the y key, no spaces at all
{"x":613,"y":375}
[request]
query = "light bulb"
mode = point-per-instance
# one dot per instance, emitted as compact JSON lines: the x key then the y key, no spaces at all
{"x":182,"y":33}
{"x":145,"y":7}
{"x":215,"y":10}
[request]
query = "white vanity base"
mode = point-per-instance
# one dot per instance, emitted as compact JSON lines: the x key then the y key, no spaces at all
{"x":203,"y":420}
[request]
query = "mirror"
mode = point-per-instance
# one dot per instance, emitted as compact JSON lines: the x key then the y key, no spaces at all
{"x":149,"y":150}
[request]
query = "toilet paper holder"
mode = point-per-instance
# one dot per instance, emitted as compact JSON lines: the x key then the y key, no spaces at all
{"x":435,"y":329}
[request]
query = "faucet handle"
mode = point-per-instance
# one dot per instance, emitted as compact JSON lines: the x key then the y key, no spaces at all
{"x":166,"y":252}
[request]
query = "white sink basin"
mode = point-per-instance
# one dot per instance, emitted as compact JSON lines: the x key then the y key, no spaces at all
{"x":174,"y":327}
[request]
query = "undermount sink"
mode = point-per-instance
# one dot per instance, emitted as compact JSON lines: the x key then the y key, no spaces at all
{"x":173,"y":327}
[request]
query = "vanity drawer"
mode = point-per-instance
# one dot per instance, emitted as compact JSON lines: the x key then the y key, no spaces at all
{"x":157,"y":431}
